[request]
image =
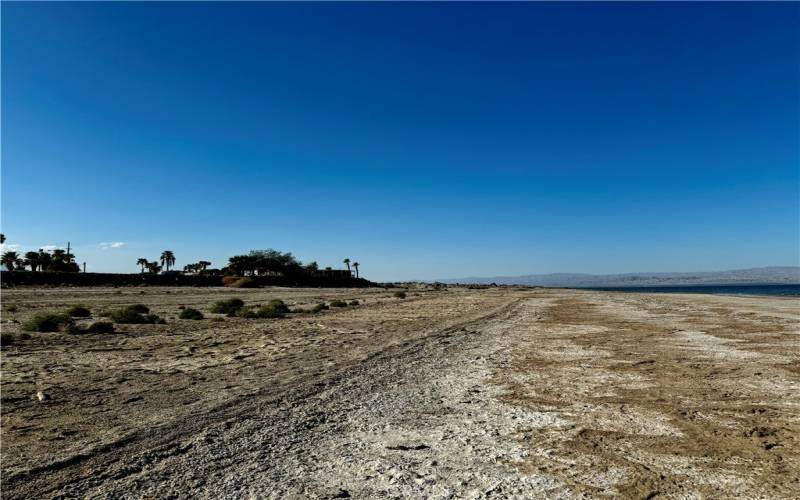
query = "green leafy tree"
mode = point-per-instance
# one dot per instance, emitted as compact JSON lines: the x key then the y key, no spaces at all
{"x":167,"y":259}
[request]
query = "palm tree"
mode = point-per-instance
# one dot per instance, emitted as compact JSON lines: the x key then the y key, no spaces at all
{"x":142,"y":262}
{"x":347,"y":261}
{"x":11,"y":260}
{"x":153,"y":267}
{"x":355,"y":265}
{"x":167,"y":259}
{"x":45,"y":260}
{"x":32,"y":259}
{"x":59,"y":255}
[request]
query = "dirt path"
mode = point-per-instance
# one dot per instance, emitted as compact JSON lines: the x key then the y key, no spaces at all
{"x":503,"y":394}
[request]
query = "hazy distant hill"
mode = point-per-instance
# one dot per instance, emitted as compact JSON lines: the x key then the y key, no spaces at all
{"x":760,"y":275}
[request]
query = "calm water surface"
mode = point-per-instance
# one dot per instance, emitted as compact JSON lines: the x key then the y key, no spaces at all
{"x":787,"y":290}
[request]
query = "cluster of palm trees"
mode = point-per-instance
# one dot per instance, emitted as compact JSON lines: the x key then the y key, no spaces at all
{"x":257,"y":262}
{"x":57,"y":260}
{"x":167,"y":260}
{"x":355,"y":266}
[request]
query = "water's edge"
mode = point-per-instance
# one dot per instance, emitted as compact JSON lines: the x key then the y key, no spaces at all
{"x":788,"y":290}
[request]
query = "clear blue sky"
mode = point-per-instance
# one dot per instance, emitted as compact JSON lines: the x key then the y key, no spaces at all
{"x":423,"y":140}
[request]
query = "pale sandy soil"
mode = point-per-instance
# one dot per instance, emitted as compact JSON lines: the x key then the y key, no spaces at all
{"x":498,"y":393}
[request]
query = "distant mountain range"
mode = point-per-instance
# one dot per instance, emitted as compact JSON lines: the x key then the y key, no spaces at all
{"x":759,"y":275}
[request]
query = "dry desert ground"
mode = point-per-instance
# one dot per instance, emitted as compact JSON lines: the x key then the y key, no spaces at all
{"x":489,"y":393}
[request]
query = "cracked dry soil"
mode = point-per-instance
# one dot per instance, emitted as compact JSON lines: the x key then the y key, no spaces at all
{"x":495,"y":393}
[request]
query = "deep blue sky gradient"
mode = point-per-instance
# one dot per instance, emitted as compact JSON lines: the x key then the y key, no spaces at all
{"x":423,"y":140}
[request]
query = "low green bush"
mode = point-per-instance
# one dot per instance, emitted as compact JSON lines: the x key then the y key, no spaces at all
{"x":338,"y":303}
{"x":272,"y":312}
{"x":218,"y":320}
{"x":354,"y":302}
{"x":47,"y":322}
{"x":127,"y":316}
{"x":135,"y":314}
{"x":229,"y":307}
{"x":190,"y":313}
{"x":6,"y":338}
{"x":79,"y":312}
{"x":246,"y":312}
{"x":100,"y":327}
{"x":400,"y":295}
{"x":277,"y":305}
{"x":11,"y":308}
{"x":319,"y":308}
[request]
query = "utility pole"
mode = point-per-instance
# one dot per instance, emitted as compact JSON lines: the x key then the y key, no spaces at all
{"x":69,"y":259}
{"x":84,"y":267}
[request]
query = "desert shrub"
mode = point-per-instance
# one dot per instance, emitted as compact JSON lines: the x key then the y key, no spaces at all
{"x":277,"y":305}
{"x":244,"y":283}
{"x":181,"y":307}
{"x":218,"y":320}
{"x":134,"y":315}
{"x":79,"y":312}
{"x":229,"y":307}
{"x":299,"y":310}
{"x":319,"y":308}
{"x":154,"y":319}
{"x":127,"y":316}
{"x":47,"y":322}
{"x":338,"y":303}
{"x":267,"y":312}
{"x":100,"y":327}
{"x":246,"y":312}
{"x":74,"y":329}
{"x":191,"y":313}
{"x":24,"y":336}
{"x":354,"y":302}
{"x":400,"y":295}
{"x":274,"y":309}
{"x":6,"y":338}
{"x":11,"y":308}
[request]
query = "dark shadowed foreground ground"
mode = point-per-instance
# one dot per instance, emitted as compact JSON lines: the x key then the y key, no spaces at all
{"x":458,"y":393}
